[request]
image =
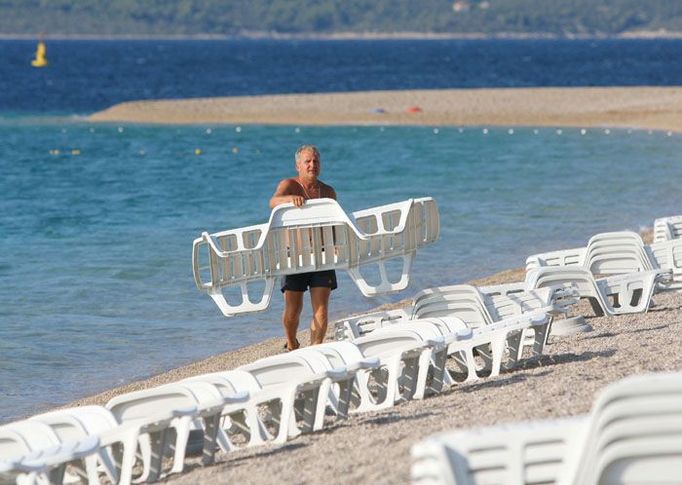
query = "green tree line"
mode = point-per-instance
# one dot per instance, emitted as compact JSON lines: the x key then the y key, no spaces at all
{"x":236,"y":17}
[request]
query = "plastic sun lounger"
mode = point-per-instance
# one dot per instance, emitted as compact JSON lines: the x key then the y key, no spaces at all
{"x":475,"y":306}
{"x":633,"y":434}
{"x":288,"y":379}
{"x":318,"y":236}
{"x":620,"y":253}
{"x":631,"y":292}
{"x":151,"y":413}
{"x":405,"y":358}
{"x":206,"y":404}
{"x":667,"y":228}
{"x":48,"y":465}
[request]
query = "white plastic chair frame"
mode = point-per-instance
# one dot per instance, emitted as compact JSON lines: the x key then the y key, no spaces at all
{"x":632,"y":435}
{"x":667,"y":228}
{"x":316,"y":237}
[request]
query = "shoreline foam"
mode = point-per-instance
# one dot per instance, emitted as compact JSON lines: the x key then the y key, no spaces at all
{"x":656,"y":108}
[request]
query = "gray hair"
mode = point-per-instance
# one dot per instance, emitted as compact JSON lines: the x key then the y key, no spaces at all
{"x":306,"y":148}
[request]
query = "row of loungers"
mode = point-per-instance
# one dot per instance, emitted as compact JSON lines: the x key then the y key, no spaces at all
{"x":449,"y":335}
{"x":633,"y":432}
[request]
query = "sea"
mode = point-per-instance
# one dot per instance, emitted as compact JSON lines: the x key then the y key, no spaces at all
{"x":97,"y":220}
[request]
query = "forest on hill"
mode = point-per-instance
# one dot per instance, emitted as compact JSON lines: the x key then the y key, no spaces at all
{"x":307,"y":17}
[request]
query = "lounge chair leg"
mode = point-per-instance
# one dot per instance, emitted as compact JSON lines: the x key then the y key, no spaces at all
{"x":211,"y":426}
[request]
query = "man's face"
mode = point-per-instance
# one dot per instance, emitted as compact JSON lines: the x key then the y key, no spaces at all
{"x":308,"y":164}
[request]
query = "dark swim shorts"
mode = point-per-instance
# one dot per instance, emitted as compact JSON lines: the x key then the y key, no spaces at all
{"x":302,"y":281}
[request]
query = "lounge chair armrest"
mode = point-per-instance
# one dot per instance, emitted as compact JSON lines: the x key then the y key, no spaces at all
{"x":237,"y":397}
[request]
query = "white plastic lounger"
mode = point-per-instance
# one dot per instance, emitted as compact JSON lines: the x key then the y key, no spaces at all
{"x":631,"y":292}
{"x":48,"y":465}
{"x":74,"y":424}
{"x":475,"y":306}
{"x":623,"y":252}
{"x":286,"y":379}
{"x":633,"y":435}
{"x":667,"y":228}
{"x":243,"y":421}
{"x":318,"y":236}
{"x":405,"y":358}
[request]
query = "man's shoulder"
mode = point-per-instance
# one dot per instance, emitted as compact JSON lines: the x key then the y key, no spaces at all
{"x":288,"y":182}
{"x":327,"y":189}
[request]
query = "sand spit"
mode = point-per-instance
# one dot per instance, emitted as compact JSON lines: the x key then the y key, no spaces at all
{"x":657,"y":108}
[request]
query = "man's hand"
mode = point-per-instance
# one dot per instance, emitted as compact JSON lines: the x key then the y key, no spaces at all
{"x":297,"y":200}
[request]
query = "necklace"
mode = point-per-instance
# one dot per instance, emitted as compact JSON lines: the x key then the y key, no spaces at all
{"x":306,"y":192}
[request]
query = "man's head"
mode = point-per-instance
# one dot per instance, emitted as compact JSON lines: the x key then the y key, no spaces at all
{"x":308,"y":161}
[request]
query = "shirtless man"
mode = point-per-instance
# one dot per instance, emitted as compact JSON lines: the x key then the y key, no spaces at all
{"x":297,"y":190}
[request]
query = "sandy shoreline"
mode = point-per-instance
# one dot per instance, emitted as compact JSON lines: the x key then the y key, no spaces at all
{"x":658,"y":108}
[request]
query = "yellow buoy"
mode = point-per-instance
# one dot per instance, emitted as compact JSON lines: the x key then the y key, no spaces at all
{"x":197,"y":151}
{"x":41,"y":55}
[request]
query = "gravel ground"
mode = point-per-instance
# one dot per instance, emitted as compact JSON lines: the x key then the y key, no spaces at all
{"x":374,"y":447}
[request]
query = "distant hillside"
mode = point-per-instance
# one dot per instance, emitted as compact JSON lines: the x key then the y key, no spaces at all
{"x":235,"y":17}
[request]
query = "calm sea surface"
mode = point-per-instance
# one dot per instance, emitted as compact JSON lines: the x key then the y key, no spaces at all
{"x":97,"y":221}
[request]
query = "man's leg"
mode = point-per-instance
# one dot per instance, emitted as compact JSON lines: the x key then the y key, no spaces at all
{"x":293,"y":304}
{"x":319,"y":297}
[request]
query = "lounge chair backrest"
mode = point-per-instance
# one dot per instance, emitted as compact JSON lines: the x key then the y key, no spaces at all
{"x":316,"y":237}
{"x":616,"y":253}
{"x":65,"y":426}
{"x":279,"y":369}
{"x":579,"y":278}
{"x":21,"y":437}
{"x":95,"y":419}
{"x":140,"y":405}
{"x":667,"y":228}
{"x":387,"y":341}
{"x":634,"y":433}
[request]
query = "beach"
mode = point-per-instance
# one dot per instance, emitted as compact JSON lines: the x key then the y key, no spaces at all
{"x":564,"y":381}
{"x":655,"y":108}
{"x":374,"y":447}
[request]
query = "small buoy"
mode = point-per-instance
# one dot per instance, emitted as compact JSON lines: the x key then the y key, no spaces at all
{"x":485,"y":131}
{"x":297,"y":130}
{"x":235,"y":150}
{"x":197,"y":151}
{"x":381,"y":128}
{"x":670,"y":133}
{"x":41,"y":55}
{"x":583,"y":131}
{"x":436,"y":131}
{"x":510,"y":131}
{"x":536,"y":131}
{"x":209,"y":131}
{"x":414,"y":109}
{"x":54,"y":151}
{"x":238,"y":129}
{"x":120,"y":129}
{"x":559,"y":132}
{"x":142,"y":153}
{"x":461,"y":130}
{"x":607,"y":131}
{"x":75,"y":151}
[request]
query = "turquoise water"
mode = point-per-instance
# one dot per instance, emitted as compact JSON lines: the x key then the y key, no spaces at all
{"x":95,"y":270}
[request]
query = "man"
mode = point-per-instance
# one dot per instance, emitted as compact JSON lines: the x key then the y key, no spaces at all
{"x":297,"y":190}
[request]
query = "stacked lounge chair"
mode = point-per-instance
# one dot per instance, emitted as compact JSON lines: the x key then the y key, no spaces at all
{"x":667,"y":228}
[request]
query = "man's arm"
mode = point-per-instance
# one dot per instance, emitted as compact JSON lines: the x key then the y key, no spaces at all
{"x":284,"y":194}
